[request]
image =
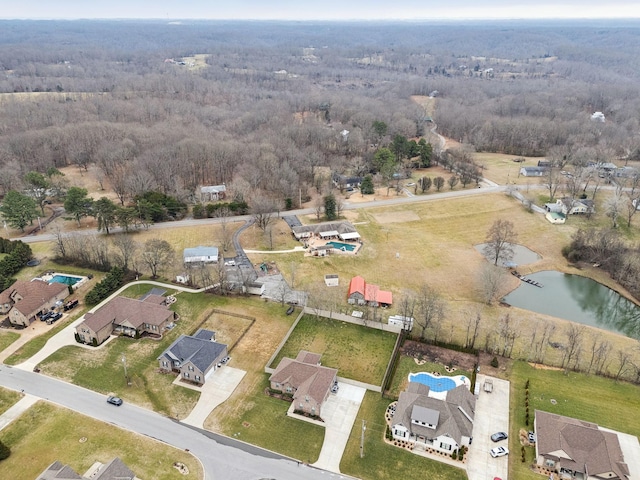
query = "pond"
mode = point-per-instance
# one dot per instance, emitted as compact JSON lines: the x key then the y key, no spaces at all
{"x":578,"y":299}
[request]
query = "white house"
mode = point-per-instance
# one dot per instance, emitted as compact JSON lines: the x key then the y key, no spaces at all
{"x":443,"y":425}
{"x":597,"y":117}
{"x":200,"y":255}
{"x":212,"y":192}
{"x":533,"y":171}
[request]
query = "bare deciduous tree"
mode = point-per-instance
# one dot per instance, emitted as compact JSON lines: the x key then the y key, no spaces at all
{"x":430,"y":310}
{"x":473,"y":326}
{"x":157,"y":255}
{"x":491,"y":281}
{"x":499,"y":242}
{"x":126,"y":247}
{"x":574,"y":344}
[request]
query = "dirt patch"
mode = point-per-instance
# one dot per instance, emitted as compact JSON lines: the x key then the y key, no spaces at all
{"x":539,"y":366}
{"x":396,"y":217}
{"x":431,"y":353}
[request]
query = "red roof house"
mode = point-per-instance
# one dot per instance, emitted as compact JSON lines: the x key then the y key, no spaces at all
{"x":363,"y":293}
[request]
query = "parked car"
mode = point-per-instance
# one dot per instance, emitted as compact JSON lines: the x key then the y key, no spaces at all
{"x":496,"y":437}
{"x":45,"y":316}
{"x":54,"y":317}
{"x":335,"y":387}
{"x":499,"y":452}
{"x":290,"y":310}
{"x":531,"y":437}
{"x":117,"y":401}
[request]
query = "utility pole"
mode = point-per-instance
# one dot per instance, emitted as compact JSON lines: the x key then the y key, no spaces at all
{"x":124,"y":362}
{"x":364,"y":427}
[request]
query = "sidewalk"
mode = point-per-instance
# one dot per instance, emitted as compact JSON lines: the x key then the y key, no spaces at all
{"x":26,"y":402}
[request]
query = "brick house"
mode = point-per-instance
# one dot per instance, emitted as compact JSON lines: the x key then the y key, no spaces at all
{"x":126,"y":316}
{"x":304,"y":378}
{"x":577,"y":449}
{"x":23,"y":300}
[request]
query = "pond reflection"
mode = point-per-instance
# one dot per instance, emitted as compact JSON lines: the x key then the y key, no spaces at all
{"x":578,"y":299}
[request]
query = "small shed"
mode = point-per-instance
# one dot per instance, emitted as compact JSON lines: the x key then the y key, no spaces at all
{"x":331,"y":280}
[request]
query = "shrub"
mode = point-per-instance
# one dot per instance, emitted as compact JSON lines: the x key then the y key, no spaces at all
{"x":94,"y":342}
{"x":4,"y":451}
{"x":454,"y":454}
{"x":494,"y":362}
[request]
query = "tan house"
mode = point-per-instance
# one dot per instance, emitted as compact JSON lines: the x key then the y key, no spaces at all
{"x":23,"y":300}
{"x":126,"y":316}
{"x":308,"y":381}
{"x":577,"y":449}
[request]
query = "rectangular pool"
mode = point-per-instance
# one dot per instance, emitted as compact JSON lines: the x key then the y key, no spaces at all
{"x":345,"y":247}
{"x":66,"y":279}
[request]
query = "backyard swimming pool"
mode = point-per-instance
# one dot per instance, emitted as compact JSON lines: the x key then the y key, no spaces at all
{"x":65,"y":279}
{"x":347,"y":247}
{"x":438,"y":384}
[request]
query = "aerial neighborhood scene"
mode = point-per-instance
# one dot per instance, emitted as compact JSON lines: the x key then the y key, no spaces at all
{"x":296,"y":240}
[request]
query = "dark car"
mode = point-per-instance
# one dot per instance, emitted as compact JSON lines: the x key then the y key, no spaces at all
{"x":496,"y":437}
{"x":54,"y":317}
{"x":45,"y":316}
{"x":117,"y":401}
{"x":70,"y":305}
{"x":290,"y":310}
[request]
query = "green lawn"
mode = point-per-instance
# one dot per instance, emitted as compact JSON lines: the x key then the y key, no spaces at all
{"x":360,"y":353}
{"x":386,"y":462}
{"x":600,"y":400}
{"x":264,"y":423}
{"x":46,"y":433}
{"x":7,"y":399}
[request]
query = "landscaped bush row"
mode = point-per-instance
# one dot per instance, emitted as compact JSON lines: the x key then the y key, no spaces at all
{"x":111,"y":282}
{"x":211,"y":210}
{"x":18,"y":254}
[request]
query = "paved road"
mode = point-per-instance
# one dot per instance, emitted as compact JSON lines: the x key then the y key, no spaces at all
{"x":223,"y":458}
{"x":489,"y":188}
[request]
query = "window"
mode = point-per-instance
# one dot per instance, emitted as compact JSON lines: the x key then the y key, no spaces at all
{"x":277,"y":385}
{"x":186,"y":375}
{"x":165,"y":363}
{"x":445,"y":446}
{"x":197,"y":378}
{"x":191,"y":368}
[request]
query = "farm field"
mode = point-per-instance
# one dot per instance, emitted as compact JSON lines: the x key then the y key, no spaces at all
{"x":46,"y":433}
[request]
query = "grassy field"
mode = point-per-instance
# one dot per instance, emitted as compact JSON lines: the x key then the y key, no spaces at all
{"x":603,"y":401}
{"x":358,"y":352}
{"x":386,"y":462}
{"x":7,"y":399}
{"x":46,"y":433}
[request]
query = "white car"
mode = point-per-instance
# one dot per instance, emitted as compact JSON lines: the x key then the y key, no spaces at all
{"x":499,"y":452}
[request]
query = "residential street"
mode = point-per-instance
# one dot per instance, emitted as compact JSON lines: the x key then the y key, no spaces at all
{"x":223,"y":458}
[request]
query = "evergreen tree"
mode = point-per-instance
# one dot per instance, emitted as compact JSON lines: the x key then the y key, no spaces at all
{"x":330,"y":207}
{"x":366,"y":187}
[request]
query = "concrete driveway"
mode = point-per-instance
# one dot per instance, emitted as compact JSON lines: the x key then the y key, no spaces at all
{"x":491,"y":416}
{"x":217,"y":389}
{"x":339,"y":413}
{"x":631,"y":451}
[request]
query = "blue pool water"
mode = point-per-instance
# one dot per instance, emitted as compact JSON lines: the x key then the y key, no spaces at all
{"x":435,"y":383}
{"x":342,"y":246}
{"x":65,"y":279}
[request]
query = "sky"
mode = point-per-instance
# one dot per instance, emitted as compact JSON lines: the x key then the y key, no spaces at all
{"x":320,"y":9}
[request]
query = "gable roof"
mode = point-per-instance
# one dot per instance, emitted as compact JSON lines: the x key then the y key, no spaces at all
{"x":213,"y":189}
{"x":58,"y":471}
{"x":333,"y":227}
{"x":197,"y":349}
{"x":454,"y":415}
{"x":200,"y":253}
{"x":581,"y":446}
{"x":312,"y":380}
{"x":123,"y":309}
{"x":34,"y":294}
{"x":114,"y":470}
{"x":370,"y":292}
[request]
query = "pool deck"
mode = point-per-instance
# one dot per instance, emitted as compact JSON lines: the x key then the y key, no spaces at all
{"x":48,"y":276}
{"x":457,"y":379}
{"x":316,"y":242}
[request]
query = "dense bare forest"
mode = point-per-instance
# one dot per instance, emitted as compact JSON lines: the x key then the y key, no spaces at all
{"x":258,"y":105}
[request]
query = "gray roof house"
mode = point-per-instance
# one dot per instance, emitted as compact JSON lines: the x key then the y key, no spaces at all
{"x":578,"y":449}
{"x":443,"y":425}
{"x":212,"y":192}
{"x":533,"y":171}
{"x":193,"y":357}
{"x":114,"y":470}
{"x":200,"y":255}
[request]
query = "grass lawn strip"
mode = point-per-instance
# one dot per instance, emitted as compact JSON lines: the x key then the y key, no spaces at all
{"x":383,"y":461}
{"x":8,"y":398}
{"x":359,"y":353}
{"x":46,"y":433}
